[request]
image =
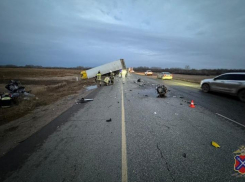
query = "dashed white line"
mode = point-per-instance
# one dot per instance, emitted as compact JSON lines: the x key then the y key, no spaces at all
{"x":230,"y":119}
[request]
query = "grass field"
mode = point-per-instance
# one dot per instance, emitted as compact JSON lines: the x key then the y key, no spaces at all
{"x":48,"y":86}
{"x":188,"y":78}
{"x":191,"y":78}
{"x":17,"y":73}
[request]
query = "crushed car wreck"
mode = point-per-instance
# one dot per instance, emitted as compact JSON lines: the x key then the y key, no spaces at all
{"x":16,"y":92}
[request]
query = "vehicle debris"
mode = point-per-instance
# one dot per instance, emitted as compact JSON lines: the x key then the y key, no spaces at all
{"x":5,"y":100}
{"x":215,"y":144}
{"x":82,"y":100}
{"x":139,"y":80}
{"x":184,"y":155}
{"x":161,"y":90}
{"x":108,"y":120}
{"x":15,"y":92}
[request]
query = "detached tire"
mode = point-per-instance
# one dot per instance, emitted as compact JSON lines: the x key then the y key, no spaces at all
{"x":241,"y":95}
{"x":205,"y":87}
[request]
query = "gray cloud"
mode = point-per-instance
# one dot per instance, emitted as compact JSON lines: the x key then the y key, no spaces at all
{"x":202,"y":34}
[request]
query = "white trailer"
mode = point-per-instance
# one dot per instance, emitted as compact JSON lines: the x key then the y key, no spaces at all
{"x":104,"y":69}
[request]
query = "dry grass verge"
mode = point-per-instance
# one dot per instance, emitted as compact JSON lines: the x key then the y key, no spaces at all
{"x":48,"y":86}
{"x":17,"y":73}
{"x":188,"y":78}
{"x":43,"y":96}
{"x":191,"y":78}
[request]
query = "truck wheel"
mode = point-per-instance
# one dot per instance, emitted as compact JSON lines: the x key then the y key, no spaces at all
{"x":241,"y":95}
{"x":205,"y":87}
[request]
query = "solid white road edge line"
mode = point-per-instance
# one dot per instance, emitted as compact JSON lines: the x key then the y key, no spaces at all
{"x":124,"y":145}
{"x":230,"y":120}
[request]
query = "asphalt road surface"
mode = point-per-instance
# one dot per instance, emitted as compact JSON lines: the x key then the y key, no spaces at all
{"x":128,"y":134}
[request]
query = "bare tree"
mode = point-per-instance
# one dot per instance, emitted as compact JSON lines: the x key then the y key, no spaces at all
{"x":187,"y":67}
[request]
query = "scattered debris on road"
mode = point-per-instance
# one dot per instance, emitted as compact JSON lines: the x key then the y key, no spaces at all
{"x":181,"y":97}
{"x":82,"y":100}
{"x":139,"y":80}
{"x":108,"y":120}
{"x":184,"y":155}
{"x":155,"y":112}
{"x":161,"y":90}
{"x":215,"y":144}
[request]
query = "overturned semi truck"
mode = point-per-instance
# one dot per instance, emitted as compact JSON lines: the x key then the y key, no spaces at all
{"x":104,"y":69}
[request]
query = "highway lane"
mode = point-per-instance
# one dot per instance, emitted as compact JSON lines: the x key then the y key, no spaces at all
{"x":162,"y":131}
{"x":163,"y":140}
{"x":226,"y":105}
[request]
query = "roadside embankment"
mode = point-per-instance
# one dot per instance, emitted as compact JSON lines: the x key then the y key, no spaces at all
{"x":55,"y":91}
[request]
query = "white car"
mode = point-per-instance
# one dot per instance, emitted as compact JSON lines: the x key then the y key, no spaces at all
{"x":148,"y":72}
{"x":230,"y":83}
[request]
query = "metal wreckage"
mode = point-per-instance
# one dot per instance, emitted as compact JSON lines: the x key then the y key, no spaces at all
{"x":161,"y":90}
{"x":16,"y":92}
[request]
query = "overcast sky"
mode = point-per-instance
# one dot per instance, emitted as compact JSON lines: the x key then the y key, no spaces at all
{"x":162,"y":33}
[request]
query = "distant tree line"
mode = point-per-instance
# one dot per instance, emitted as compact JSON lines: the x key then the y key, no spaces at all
{"x":187,"y":70}
{"x":42,"y":67}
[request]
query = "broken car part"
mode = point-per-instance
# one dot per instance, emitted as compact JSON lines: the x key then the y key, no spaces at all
{"x":161,"y":90}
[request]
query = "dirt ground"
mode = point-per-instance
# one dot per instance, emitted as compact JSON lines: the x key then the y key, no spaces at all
{"x":55,"y":91}
{"x":188,"y":78}
{"x":48,"y":86}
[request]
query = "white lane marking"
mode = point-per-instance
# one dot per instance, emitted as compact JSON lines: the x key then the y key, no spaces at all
{"x":124,"y":145}
{"x":231,"y":120}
